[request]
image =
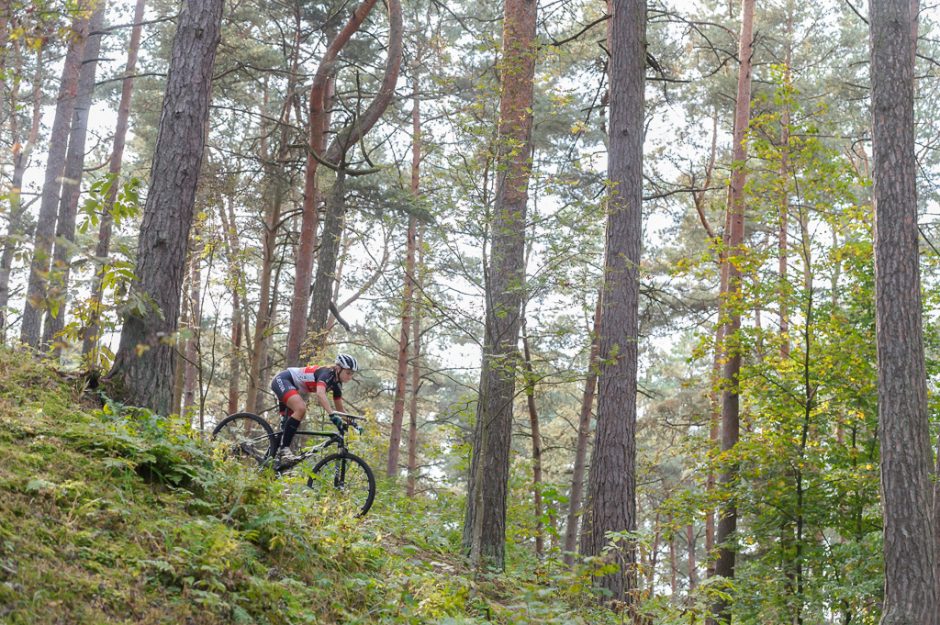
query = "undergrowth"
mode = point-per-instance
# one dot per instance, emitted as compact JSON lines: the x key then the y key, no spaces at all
{"x":117,"y":515}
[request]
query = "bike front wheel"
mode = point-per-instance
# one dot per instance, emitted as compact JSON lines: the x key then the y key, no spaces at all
{"x":245,"y":438}
{"x":346,"y":481}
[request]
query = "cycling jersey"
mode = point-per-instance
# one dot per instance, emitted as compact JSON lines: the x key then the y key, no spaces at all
{"x":304,"y":380}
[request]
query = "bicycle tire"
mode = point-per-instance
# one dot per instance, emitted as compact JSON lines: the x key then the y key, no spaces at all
{"x":357,"y":486}
{"x":245,"y":438}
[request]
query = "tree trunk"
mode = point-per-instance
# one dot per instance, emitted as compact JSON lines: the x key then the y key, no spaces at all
{"x":782,"y":231}
{"x":237,"y":285}
{"x":318,"y":126}
{"x":690,"y":540}
{"x":103,"y":248}
{"x":176,"y":405}
{"x":536,"y":442}
{"x":322,"y":294}
{"x":398,"y":411}
{"x":191,"y":353}
{"x":415,"y":387}
{"x":143,"y":366}
{"x":484,"y":532}
{"x":910,"y":550}
{"x":20,"y":162}
{"x":730,"y":407}
{"x":673,"y":567}
{"x":58,"y":279}
{"x":584,"y":435}
{"x":612,"y":480}
{"x":30,"y":330}
{"x":714,"y":432}
{"x":4,"y":39}
{"x":349,"y":136}
{"x":275,"y":178}
{"x":263,"y":319}
{"x":653,"y":558}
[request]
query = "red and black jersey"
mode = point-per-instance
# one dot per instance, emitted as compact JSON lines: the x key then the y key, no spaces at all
{"x":308,"y":379}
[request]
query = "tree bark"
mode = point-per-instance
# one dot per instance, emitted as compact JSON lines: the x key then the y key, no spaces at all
{"x":20,"y":162}
{"x":316,"y":144}
{"x":275,"y":179}
{"x":349,"y":136}
{"x":730,"y":308}
{"x":714,"y":431}
{"x":191,"y":352}
{"x":176,"y":404}
{"x":415,"y":387}
{"x":536,"y":442}
{"x":484,"y":532}
{"x":236,"y":287}
{"x":584,"y":435}
{"x":910,"y":549}
{"x":322,"y":293}
{"x":30,"y":330}
{"x":58,"y":280}
{"x":782,"y":231}
{"x":612,"y":480}
{"x":398,"y":410}
{"x":103,"y":247}
{"x":264,"y":317}
{"x":143,"y":366}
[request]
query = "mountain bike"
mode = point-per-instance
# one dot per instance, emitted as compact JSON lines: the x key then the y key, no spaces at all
{"x":249,"y":439}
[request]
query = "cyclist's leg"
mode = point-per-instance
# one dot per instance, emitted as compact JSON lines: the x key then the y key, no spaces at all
{"x":289,"y":403}
{"x":298,"y":409}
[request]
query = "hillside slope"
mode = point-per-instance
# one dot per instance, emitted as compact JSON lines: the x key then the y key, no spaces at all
{"x":117,"y":516}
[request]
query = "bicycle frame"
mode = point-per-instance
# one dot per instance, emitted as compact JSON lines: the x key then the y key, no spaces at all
{"x":333,"y":438}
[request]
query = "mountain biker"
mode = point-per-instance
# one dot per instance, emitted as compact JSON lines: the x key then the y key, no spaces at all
{"x":293,"y":384}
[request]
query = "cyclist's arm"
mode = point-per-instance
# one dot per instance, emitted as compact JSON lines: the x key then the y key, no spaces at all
{"x":338,"y":402}
{"x":322,"y":400}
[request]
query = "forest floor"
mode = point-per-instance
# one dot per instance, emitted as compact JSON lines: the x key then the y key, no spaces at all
{"x":114,"y":515}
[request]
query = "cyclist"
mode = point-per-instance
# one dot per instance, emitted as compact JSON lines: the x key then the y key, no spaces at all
{"x":292,"y":385}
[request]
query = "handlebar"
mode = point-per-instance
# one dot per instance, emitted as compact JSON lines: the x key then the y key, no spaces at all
{"x":340,"y":419}
{"x":346,"y":415}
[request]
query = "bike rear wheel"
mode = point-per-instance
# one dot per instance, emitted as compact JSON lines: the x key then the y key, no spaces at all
{"x":346,"y":481}
{"x":244,"y":437}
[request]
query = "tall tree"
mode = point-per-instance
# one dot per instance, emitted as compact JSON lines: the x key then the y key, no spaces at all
{"x":317,"y":127}
{"x":911,"y":592}
{"x":58,"y":279}
{"x":191,"y":348}
{"x":484,"y":532}
{"x":575,"y":494}
{"x":21,"y":154}
{"x":30,"y":329}
{"x":415,"y":383}
{"x":144,"y":363}
{"x":536,"y":433}
{"x":611,"y":505}
{"x":236,"y":287}
{"x":276,"y":178}
{"x":103,"y":247}
{"x":334,"y":220}
{"x":730,"y":308}
{"x":401,"y":376}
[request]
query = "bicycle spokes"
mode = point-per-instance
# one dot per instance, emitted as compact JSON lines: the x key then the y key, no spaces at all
{"x":344,"y":482}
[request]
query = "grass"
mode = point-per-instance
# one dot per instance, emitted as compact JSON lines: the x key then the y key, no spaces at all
{"x":119,"y":516}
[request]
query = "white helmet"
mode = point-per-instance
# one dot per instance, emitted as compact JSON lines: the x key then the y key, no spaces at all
{"x":347,"y":362}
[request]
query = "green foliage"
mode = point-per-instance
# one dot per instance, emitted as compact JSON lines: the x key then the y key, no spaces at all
{"x":115,"y":513}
